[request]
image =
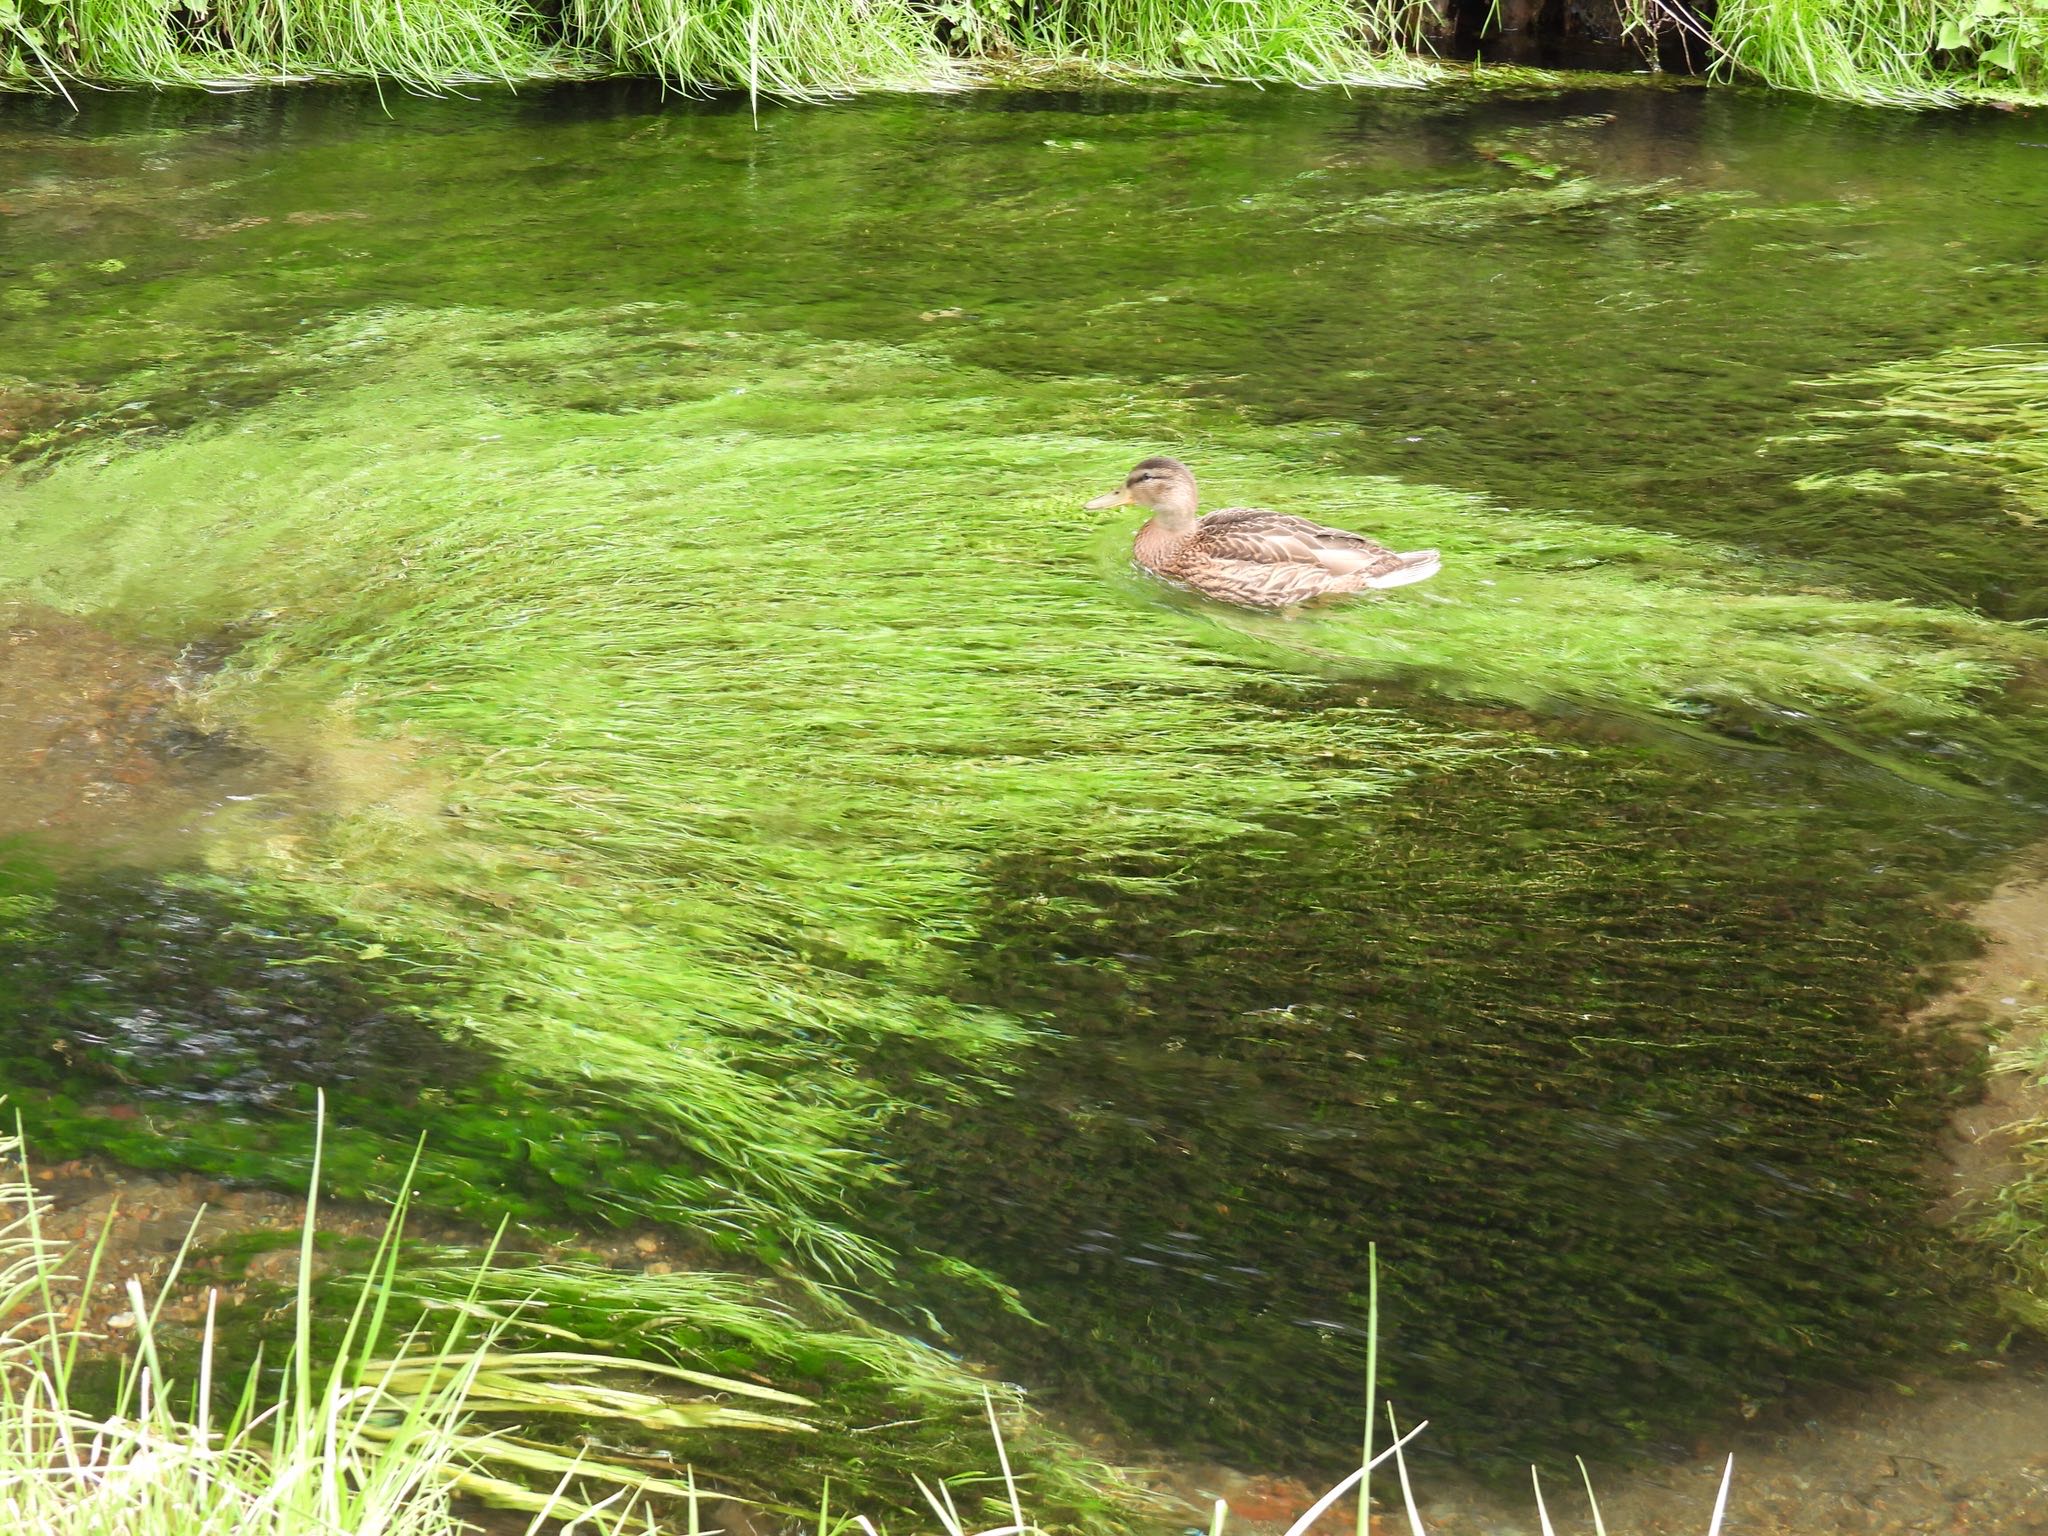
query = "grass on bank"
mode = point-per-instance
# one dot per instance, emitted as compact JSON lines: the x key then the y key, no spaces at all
{"x":425,"y":44}
{"x":1929,"y":53}
{"x":380,"y":1437}
{"x":788,"y":48}
{"x":784,"y":48}
{"x":1916,"y":53}
{"x":373,"y":1416}
{"x":1357,"y":42}
{"x":1895,"y":53}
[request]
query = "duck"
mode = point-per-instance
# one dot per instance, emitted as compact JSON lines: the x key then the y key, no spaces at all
{"x":1247,"y":555}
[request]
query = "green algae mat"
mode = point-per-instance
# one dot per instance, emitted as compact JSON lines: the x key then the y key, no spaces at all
{"x":697,"y":763}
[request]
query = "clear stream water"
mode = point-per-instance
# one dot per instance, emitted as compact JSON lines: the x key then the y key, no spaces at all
{"x":686,"y":506}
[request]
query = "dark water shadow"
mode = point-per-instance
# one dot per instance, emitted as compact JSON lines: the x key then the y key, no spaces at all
{"x":1601,"y":1050}
{"x":183,"y":1020}
{"x":182,"y":993}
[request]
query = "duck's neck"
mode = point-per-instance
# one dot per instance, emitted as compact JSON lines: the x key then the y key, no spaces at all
{"x":1168,"y":527}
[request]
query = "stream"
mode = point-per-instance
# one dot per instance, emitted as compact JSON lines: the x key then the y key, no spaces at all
{"x":567,"y":620}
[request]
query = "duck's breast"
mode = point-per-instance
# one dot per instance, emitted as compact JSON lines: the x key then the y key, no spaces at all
{"x":1156,"y":547}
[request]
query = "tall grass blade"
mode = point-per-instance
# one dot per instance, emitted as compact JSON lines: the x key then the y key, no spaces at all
{"x":1542,"y":1514}
{"x":1721,"y":1498}
{"x":1592,"y":1503}
{"x":1372,"y":1374}
{"x":1316,"y":1510}
{"x":1401,"y":1468}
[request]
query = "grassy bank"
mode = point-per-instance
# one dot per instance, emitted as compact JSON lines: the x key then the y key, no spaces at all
{"x":1930,"y":52}
{"x":815,"y":48}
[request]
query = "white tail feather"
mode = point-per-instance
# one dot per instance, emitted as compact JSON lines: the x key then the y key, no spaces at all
{"x":1420,"y":565}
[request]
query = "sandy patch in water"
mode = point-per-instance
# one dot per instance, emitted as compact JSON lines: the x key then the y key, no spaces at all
{"x":1967,"y":1457}
{"x":2003,"y":995}
{"x":96,"y":748}
{"x":105,"y":749}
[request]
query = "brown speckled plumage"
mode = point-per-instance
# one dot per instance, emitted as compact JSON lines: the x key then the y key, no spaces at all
{"x":1252,"y":557}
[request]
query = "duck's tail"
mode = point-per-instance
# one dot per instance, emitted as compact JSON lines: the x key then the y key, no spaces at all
{"x":1415,"y":565}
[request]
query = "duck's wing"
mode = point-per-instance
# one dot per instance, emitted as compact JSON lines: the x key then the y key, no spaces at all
{"x":1265,"y":583}
{"x":1258,"y":537}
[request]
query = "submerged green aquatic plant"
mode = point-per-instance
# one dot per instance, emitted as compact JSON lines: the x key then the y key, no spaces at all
{"x":1556,"y":196}
{"x":1982,"y":410}
{"x":2013,"y":1218}
{"x":1963,"y":429}
{"x":738,"y":658}
{"x":753,"y":674}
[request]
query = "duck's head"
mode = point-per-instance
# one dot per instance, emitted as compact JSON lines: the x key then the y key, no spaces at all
{"x":1163,"y":485}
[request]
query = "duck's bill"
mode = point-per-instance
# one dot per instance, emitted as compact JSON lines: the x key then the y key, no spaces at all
{"x":1120,"y":497}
